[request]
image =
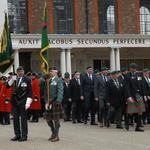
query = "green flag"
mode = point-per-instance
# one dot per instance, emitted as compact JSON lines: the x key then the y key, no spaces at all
{"x":45,"y":43}
{"x":6,"y":50}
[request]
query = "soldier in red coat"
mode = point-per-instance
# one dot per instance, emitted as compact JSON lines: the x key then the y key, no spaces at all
{"x":36,"y":104}
{"x":1,"y":115}
{"x":5,"y":102}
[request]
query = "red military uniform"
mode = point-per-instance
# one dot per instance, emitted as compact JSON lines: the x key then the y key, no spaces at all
{"x":36,"y":104}
{"x":5,"y":98}
{"x":0,"y":84}
{"x":8,"y":105}
{"x":2,"y":97}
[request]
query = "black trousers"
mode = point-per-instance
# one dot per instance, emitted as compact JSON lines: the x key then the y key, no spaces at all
{"x":20,"y":121}
{"x":103,"y":110}
{"x":4,"y":118}
{"x":42,"y":107}
{"x":90,"y":105}
{"x":67,"y":110}
{"x":77,"y":110}
{"x":1,"y":117}
{"x":35,"y":115}
{"x":115,"y":114}
{"x":146,"y":115}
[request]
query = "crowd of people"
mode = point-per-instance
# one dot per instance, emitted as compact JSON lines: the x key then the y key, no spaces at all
{"x":101,"y":97}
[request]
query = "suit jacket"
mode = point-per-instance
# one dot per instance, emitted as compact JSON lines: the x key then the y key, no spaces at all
{"x":75,"y":90}
{"x":114,"y":94}
{"x":56,"y":89}
{"x":123,"y":80}
{"x":146,"y":87}
{"x":134,"y":85}
{"x":21,"y":92}
{"x":100,"y":87}
{"x":87,"y":85}
{"x":66,"y":93}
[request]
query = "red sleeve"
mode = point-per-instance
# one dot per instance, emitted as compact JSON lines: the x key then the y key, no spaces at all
{"x":9,"y":93}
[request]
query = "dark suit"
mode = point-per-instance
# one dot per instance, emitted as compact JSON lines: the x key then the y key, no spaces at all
{"x":100,"y":93}
{"x":19,"y":97}
{"x":88,"y":93}
{"x":123,"y":80}
{"x":134,"y":85}
{"x":114,"y":96}
{"x":65,"y":102}
{"x":146,"y":84}
{"x":75,"y":94}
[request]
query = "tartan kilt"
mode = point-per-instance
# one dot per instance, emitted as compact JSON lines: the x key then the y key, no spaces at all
{"x":138,"y":106}
{"x":55,"y":113}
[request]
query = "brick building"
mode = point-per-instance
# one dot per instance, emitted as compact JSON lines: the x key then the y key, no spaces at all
{"x":94,"y":19}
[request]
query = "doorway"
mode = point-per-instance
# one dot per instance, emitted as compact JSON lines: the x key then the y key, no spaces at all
{"x":97,"y":64}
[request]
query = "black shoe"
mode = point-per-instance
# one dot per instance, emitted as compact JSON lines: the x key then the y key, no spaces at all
{"x":74,"y":122}
{"x":131,"y":124}
{"x":139,"y":129}
{"x":16,"y":138}
{"x":85,"y":122}
{"x":144,"y":122}
{"x":79,"y":121}
{"x":119,"y":127}
{"x":93,"y":123}
{"x":107,"y":124}
{"x":22,"y":139}
{"x":69,"y":120}
{"x":148,"y":122}
{"x":127,"y":127}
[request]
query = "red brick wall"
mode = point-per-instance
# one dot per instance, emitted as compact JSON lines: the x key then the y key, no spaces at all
{"x":93,"y":14}
{"x":35,"y":15}
{"x":79,"y":16}
{"x":127,"y":14}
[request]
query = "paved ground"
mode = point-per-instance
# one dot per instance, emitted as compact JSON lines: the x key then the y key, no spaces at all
{"x":76,"y":137}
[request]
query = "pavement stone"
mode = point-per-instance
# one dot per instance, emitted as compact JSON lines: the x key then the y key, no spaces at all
{"x":76,"y":137}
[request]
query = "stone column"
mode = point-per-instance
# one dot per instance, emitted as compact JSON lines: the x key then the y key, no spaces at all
{"x":62,"y":61}
{"x":68,"y":61}
{"x":112,"y":59}
{"x":117,"y":59}
{"x":16,"y":59}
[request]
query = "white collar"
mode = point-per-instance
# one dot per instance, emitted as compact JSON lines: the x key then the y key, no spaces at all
{"x":53,"y":77}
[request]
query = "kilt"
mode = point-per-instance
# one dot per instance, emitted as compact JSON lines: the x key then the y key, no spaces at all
{"x":55,"y":113}
{"x":137,"y":106}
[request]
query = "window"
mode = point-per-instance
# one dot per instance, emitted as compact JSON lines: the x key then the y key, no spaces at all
{"x":17,"y":14}
{"x":63,"y":16}
{"x":107,"y":16}
{"x":111,"y":20}
{"x":144,"y":20}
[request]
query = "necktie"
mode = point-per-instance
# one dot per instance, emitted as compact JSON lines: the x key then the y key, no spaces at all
{"x":90,"y":76}
{"x":117,"y":83}
{"x":66,"y":84}
{"x":148,"y":82}
{"x":78,"y":80}
{"x":18,"y":82}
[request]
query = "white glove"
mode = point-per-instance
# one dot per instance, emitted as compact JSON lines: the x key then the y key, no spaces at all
{"x":11,"y":81}
{"x":28,"y":103}
{"x":48,"y":106}
{"x":14,"y":77}
{"x":130,"y":99}
{"x":145,"y":98}
{"x":148,"y":97}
